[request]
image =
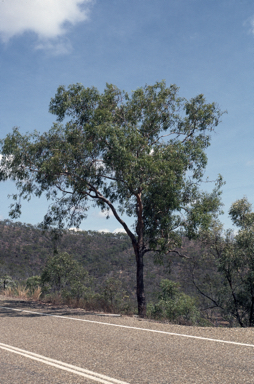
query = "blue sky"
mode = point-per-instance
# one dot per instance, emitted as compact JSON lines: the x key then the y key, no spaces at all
{"x":201,"y":46}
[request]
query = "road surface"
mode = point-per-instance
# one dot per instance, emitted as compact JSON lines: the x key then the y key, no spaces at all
{"x":42,"y":344}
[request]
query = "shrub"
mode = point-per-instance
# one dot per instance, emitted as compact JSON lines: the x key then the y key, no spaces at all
{"x":64,"y":275}
{"x":6,"y":282}
{"x":173,"y":305}
{"x":115,"y":297}
{"x":33,"y":283}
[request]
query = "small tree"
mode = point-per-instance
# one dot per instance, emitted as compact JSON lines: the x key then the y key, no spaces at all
{"x":228,"y":259}
{"x":33,"y":283}
{"x":64,"y":275}
{"x":174,"y":305}
{"x":6,"y":281}
{"x":115,"y":295}
{"x":141,"y":154}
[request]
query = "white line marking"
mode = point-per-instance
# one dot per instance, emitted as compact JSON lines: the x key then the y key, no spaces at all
{"x":129,"y":327}
{"x":64,"y":366}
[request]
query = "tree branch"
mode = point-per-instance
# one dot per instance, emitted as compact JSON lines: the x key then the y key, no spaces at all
{"x":98,"y":195}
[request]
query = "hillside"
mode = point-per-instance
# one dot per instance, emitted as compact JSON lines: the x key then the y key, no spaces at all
{"x":24,"y":250}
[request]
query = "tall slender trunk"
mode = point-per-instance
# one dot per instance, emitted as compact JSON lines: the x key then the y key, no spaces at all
{"x":251,"y":319}
{"x":139,"y":252}
{"x":138,"y":247}
{"x":140,"y":283}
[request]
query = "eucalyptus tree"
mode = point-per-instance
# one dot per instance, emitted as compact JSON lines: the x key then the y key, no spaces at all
{"x":142,"y":154}
{"x":224,"y":272}
{"x":243,"y":217}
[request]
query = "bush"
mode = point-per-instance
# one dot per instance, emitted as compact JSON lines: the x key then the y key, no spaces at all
{"x":33,"y":283}
{"x":64,"y":275}
{"x":115,"y":297}
{"x":6,"y":281}
{"x":173,"y":305}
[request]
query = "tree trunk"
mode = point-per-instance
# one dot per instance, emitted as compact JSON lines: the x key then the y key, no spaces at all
{"x":251,"y":319}
{"x":140,"y":283}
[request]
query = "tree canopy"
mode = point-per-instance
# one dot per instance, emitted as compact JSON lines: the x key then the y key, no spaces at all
{"x":141,"y":154}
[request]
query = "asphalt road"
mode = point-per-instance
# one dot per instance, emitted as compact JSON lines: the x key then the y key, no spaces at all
{"x":73,"y":346}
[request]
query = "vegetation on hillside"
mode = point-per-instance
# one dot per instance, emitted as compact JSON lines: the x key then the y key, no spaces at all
{"x":96,"y":271}
{"x":91,"y":269}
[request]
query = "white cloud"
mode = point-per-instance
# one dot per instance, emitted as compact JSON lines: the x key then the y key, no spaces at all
{"x":119,"y":230}
{"x":59,"y":47}
{"x":48,"y":19}
{"x":105,"y":214}
{"x":75,"y":229}
{"x":104,"y":230}
{"x":235,"y":232}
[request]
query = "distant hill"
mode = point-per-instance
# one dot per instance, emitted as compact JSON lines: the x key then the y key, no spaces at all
{"x":24,"y":250}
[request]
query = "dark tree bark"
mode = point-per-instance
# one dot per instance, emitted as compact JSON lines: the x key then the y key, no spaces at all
{"x":251,"y":319}
{"x":140,"y":282}
{"x":139,"y":249}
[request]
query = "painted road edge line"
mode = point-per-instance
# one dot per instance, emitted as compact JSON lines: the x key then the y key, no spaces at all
{"x":129,"y":327}
{"x":61,"y":365}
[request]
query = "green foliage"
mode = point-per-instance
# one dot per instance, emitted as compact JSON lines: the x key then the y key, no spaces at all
{"x":241,"y":214}
{"x":148,"y":146}
{"x":115,"y":295}
{"x":6,"y":281}
{"x":230,"y":282}
{"x":64,"y":275}
{"x":32,"y":283}
{"x":173,"y":305}
{"x":111,"y":289}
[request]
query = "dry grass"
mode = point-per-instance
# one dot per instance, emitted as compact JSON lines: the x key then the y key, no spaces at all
{"x":7,"y":292}
{"x":93,"y":303}
{"x":36,"y":294}
{"x":21,"y":292}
